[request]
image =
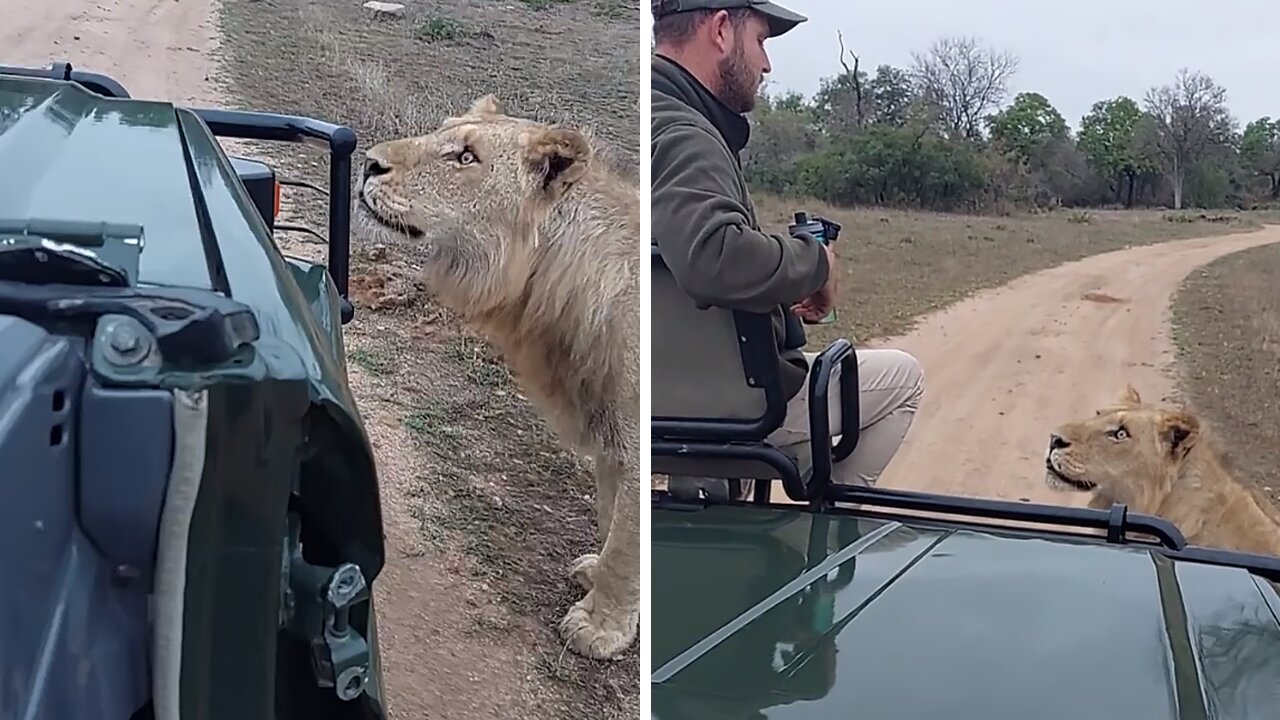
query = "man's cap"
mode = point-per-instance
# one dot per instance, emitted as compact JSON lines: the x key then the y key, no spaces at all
{"x":780,"y":19}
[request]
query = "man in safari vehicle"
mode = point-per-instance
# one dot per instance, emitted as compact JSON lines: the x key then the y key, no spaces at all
{"x":708,"y":65}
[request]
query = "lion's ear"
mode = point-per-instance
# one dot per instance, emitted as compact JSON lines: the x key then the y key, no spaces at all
{"x":1130,"y":396}
{"x":558,"y":157}
{"x":487,"y":105}
{"x":1179,"y":431}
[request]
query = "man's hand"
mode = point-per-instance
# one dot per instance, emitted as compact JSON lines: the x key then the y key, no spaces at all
{"x":815,"y":307}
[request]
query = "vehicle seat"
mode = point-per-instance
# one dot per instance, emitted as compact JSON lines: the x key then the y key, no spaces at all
{"x":716,"y":396}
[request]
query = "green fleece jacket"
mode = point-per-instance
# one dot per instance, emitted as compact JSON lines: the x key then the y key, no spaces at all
{"x":704,"y":222}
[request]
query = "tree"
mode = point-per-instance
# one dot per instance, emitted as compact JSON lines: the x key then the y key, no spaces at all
{"x":1190,"y":117}
{"x":1260,"y":151}
{"x":782,"y":131}
{"x":1026,"y":125}
{"x":891,"y":96}
{"x":791,"y":101}
{"x":1108,"y":139}
{"x":963,"y":82}
{"x":840,"y":103}
{"x":892,"y":166}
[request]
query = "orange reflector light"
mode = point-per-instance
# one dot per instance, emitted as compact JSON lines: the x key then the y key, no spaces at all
{"x":276,"y":212}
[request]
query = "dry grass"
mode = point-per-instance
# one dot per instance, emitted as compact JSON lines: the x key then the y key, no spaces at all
{"x":1226,"y":322}
{"x":491,"y":483}
{"x":574,"y":61}
{"x":897,"y":265}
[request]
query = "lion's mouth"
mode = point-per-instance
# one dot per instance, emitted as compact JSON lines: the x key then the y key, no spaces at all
{"x":1053,"y":474}
{"x":389,"y":223}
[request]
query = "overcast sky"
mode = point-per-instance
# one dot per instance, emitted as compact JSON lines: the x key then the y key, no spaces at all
{"x":1073,"y":53}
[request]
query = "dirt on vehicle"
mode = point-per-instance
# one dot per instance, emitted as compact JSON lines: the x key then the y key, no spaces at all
{"x":484,"y":510}
{"x":1226,"y":326}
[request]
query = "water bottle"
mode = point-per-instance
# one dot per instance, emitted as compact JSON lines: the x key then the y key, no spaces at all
{"x":825,"y":231}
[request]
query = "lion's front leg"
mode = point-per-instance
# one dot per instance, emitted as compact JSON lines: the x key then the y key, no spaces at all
{"x":607,"y":474}
{"x":604,"y":623}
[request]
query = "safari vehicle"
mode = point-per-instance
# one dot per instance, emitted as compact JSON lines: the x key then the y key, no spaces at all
{"x":852,"y":602}
{"x":190,"y":523}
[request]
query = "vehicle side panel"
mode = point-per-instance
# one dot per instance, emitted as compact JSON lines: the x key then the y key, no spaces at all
{"x":68,"y":607}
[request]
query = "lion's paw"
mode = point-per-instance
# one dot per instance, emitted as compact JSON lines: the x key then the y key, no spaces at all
{"x":583,"y":571}
{"x":595,"y":634}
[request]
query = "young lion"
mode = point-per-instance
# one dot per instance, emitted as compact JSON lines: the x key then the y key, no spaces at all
{"x":537,"y":245}
{"x":1158,"y":461}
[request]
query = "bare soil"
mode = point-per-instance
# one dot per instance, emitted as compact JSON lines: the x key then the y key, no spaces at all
{"x":1226,"y":326}
{"x":896,"y":266}
{"x":484,"y":510}
{"x":159,"y":48}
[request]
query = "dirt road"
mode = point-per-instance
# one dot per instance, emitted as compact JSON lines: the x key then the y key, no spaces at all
{"x":1005,"y":366}
{"x":161,"y":49}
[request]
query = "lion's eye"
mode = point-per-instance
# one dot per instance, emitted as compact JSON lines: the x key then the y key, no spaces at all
{"x":466,"y":157}
{"x":1119,"y":433}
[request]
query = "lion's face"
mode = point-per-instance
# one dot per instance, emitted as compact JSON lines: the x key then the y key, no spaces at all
{"x":471,"y":194}
{"x":1128,"y":452}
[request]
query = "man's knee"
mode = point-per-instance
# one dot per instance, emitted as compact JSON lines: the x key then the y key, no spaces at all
{"x":902,"y":370}
{"x":914,"y":371}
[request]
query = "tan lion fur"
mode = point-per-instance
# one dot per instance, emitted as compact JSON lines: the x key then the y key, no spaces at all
{"x":1161,"y":461}
{"x":536,"y":244}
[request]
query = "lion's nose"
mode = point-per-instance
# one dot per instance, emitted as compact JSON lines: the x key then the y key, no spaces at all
{"x":373,"y":168}
{"x":1057,"y":442}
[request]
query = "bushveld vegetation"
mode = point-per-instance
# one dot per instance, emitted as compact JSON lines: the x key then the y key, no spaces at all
{"x":943,"y":134}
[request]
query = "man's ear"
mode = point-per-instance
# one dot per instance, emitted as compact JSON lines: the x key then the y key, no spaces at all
{"x":721,"y":28}
{"x":1130,"y":396}
{"x":487,"y":105}
{"x":1179,"y":431}
{"x":558,"y":157}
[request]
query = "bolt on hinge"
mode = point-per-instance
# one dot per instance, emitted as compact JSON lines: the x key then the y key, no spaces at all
{"x":316,"y":606}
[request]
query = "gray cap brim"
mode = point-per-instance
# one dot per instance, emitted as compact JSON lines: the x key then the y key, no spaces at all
{"x":780,"y":19}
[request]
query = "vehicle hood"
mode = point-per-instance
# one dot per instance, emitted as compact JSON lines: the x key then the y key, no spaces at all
{"x":75,"y":155}
{"x":72,"y":154}
{"x":765,"y":613}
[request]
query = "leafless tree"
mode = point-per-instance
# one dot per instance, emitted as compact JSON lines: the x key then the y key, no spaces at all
{"x":964,"y":81}
{"x":859,"y":118}
{"x":1190,"y":117}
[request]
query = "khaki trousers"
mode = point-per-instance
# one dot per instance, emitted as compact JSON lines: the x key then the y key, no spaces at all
{"x":890,"y":385}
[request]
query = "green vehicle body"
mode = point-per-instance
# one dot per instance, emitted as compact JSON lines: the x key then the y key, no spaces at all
{"x":783,"y":612}
{"x":287,"y":485}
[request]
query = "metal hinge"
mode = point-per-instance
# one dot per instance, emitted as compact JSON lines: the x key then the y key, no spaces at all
{"x":317,"y":605}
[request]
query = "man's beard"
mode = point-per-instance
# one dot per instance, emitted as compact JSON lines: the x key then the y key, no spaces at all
{"x":737,"y":86}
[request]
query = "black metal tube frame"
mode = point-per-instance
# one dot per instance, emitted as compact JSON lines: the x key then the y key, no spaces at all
{"x":840,"y":352}
{"x":1118,"y":521}
{"x":792,"y":483}
{"x":341,"y":141}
